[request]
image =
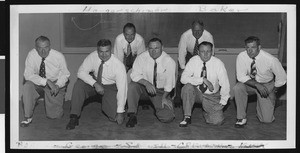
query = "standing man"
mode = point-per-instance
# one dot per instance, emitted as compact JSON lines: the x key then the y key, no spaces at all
{"x":45,"y":71}
{"x":153,"y":76}
{"x":206,"y":81}
{"x":110,"y":83}
{"x":260,"y":73}
{"x":187,"y":49}
{"x":127,"y":46}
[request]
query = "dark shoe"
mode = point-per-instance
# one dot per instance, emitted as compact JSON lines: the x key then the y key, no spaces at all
{"x":145,"y":107}
{"x":26,"y":122}
{"x":184,"y":123}
{"x":132,"y":121}
{"x":240,"y":123}
{"x":73,"y":122}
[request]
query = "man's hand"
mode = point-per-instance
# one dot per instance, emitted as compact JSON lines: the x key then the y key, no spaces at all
{"x":99,"y":89}
{"x":150,"y":88}
{"x":263,"y":91}
{"x":209,"y":84}
{"x":120,"y":118}
{"x":167,"y":102}
{"x":54,"y":89}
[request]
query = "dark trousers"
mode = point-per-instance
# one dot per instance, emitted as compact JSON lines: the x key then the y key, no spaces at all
{"x":136,"y":91}
{"x":82,"y":91}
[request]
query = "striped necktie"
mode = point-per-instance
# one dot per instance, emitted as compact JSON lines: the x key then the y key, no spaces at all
{"x":253,"y":70}
{"x":129,"y":58}
{"x":42,"y":72}
{"x":203,"y":86}
{"x":100,"y":70}
{"x":195,"y":47}
{"x":155,"y":73}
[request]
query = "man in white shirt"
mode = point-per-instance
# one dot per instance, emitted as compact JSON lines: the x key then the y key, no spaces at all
{"x":153,"y":77}
{"x":260,"y":73}
{"x":128,"y":45}
{"x":109,"y":80}
{"x":45,"y":71}
{"x":206,"y":82}
{"x":187,"y":49}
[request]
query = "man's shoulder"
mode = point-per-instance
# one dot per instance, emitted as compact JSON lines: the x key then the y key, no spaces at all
{"x":56,"y":53}
{"x":187,"y":32}
{"x":120,"y":37}
{"x":217,"y":60}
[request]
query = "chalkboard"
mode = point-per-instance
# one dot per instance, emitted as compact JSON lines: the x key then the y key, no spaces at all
{"x":228,"y":29}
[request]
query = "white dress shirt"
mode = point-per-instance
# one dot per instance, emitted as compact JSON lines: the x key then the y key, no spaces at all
{"x":216,"y":74}
{"x":143,"y":68}
{"x":55,"y":64}
{"x":187,"y":44}
{"x":113,"y":73}
{"x":120,"y":46}
{"x":266,"y":65}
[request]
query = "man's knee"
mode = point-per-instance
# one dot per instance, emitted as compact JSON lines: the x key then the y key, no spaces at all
{"x":165,"y":116}
{"x":166,"y":119}
{"x":239,"y":86}
{"x":187,"y":88}
{"x":28,"y":86}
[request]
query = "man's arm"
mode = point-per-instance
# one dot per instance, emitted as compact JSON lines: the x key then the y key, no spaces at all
{"x":30,"y":74}
{"x":85,"y":68}
{"x":118,"y":50}
{"x":182,"y":51}
{"x":122,"y":86}
{"x":64,"y":73}
{"x":188,"y":74}
{"x":260,"y":87}
{"x":224,"y":83}
{"x":141,"y":46}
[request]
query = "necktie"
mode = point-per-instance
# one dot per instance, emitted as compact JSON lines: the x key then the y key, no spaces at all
{"x":253,"y":71}
{"x":100,"y":70}
{"x":195,"y":47}
{"x":203,"y":86}
{"x":155,"y":73}
{"x":43,"y":69}
{"x":129,"y":58}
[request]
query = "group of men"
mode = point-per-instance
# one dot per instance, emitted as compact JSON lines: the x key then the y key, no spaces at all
{"x":128,"y":72}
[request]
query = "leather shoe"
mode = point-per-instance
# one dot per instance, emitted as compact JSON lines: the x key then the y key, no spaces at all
{"x":73,"y":122}
{"x":26,"y":122}
{"x":240,"y":123}
{"x":132,"y":121}
{"x":184,"y":123}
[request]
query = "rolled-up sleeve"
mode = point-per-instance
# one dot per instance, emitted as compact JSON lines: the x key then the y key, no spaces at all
{"x":241,"y":70}
{"x":188,"y":74}
{"x":224,"y":83}
{"x":170,"y":75}
{"x":280,"y":74}
{"x":64,"y":73}
{"x":118,"y":50}
{"x":121,"y":82}
{"x":85,"y":68}
{"x":137,"y":71}
{"x":182,"y":51}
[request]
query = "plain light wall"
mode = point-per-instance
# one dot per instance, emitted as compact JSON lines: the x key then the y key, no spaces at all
{"x":33,"y":25}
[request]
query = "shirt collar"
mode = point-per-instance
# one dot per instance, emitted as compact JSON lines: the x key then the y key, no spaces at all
{"x":258,"y":56}
{"x":159,"y":59}
{"x":108,"y":61}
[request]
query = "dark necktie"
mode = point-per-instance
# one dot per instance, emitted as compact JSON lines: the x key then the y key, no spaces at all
{"x":100,"y":70}
{"x":129,"y":58}
{"x":43,"y":69}
{"x":195,"y":47}
{"x":155,"y":73}
{"x":203,"y":86}
{"x":253,"y":71}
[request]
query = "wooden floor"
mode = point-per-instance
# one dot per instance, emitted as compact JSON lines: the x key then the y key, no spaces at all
{"x":93,"y":125}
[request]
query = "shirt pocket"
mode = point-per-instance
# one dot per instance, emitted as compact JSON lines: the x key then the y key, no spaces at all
{"x":161,"y":78}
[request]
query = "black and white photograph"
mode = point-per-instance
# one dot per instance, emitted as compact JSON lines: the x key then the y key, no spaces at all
{"x":152,"y":76}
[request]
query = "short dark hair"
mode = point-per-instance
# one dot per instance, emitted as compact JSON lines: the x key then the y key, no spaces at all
{"x":205,"y":43}
{"x":154,"y":40}
{"x":197,"y":22}
{"x":128,"y":25}
{"x":103,"y":43}
{"x":252,"y":39}
{"x":42,"y":39}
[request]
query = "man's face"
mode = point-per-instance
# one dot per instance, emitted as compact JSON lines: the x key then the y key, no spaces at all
{"x":155,"y":49}
{"x":104,"y":52}
{"x":129,"y":34}
{"x":197,"y":30}
{"x":43,"y":48}
{"x":252,"y":49}
{"x":205,"y":52}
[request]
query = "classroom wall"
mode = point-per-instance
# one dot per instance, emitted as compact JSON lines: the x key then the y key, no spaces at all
{"x":33,"y":25}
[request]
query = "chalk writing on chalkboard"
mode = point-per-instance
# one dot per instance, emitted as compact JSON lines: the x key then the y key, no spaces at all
{"x":101,"y":20}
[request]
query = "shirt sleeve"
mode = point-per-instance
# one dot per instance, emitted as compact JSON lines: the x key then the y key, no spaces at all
{"x":188,"y":74}
{"x":170,"y":76}
{"x":182,"y":51}
{"x":141,"y":47}
{"x":121,"y":82}
{"x":224,"y":83}
{"x":137,"y":69}
{"x":30,"y":74}
{"x":64,"y":73}
{"x":241,"y":70}
{"x":280,"y":74}
{"x":85,"y":68}
{"x":118,"y":50}
{"x":211,"y":39}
